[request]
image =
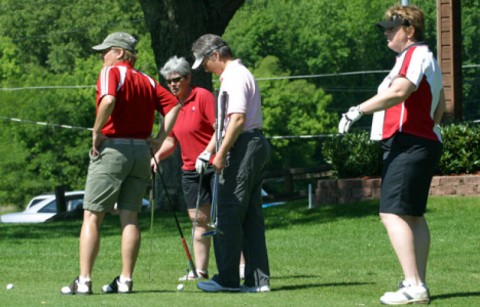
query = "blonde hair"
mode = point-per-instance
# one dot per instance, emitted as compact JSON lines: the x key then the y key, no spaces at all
{"x":412,"y":15}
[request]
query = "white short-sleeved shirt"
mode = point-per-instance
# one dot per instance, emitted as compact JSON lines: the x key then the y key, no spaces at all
{"x":414,"y":115}
{"x":243,"y":95}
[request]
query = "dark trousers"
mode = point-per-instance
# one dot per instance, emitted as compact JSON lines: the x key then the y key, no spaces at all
{"x":240,"y":216}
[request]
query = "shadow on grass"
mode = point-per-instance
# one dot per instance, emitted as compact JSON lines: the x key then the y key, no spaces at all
{"x":71,"y":228}
{"x":292,"y":213}
{"x":297,"y":212}
{"x":319,"y":285}
{"x":454,"y":295}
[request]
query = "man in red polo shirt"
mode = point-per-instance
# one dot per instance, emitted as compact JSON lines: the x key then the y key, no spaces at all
{"x":120,"y":156}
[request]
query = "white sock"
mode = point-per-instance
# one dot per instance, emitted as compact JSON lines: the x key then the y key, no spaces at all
{"x":123,"y":279}
{"x":83,"y":280}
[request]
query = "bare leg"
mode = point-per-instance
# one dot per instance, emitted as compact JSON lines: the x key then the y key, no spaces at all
{"x":422,"y":245}
{"x":89,"y":241}
{"x":242,"y":266}
{"x":410,"y":239}
{"x":201,"y":245}
{"x":131,"y":240}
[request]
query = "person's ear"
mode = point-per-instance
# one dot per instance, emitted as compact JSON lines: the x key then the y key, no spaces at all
{"x":120,"y":52}
{"x":410,"y":32}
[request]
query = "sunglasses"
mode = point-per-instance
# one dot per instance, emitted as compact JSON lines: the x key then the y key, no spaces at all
{"x":174,"y":80}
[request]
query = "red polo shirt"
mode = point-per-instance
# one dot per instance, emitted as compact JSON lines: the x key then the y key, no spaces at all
{"x":194,"y":126}
{"x":137,"y":97}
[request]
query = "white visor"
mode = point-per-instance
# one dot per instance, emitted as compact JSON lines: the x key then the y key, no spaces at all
{"x":198,"y":61}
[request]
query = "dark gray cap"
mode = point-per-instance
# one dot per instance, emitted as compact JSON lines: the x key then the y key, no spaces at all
{"x":117,"y":39}
{"x":394,"y":21}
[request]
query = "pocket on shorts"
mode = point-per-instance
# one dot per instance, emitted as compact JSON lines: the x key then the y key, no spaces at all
{"x":93,"y":158}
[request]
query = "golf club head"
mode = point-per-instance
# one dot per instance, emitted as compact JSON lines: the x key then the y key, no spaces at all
{"x":214,"y":230}
{"x":212,"y":233}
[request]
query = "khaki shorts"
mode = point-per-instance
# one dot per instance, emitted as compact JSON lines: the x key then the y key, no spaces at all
{"x":119,"y":174}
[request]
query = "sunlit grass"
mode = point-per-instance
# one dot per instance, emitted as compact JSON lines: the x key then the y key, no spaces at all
{"x":327,"y":256}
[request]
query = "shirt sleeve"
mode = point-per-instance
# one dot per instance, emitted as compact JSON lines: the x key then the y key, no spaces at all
{"x":413,"y":66}
{"x":107,"y":83}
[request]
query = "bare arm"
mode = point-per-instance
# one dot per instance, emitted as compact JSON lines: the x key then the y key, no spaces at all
{"x":400,"y":89}
{"x":105,"y":109}
{"x":168,"y":123}
{"x":211,"y":145}
{"x":167,"y":148}
{"x":234,"y":129}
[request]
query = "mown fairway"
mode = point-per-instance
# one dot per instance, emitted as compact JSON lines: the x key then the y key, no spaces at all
{"x":328,"y":256}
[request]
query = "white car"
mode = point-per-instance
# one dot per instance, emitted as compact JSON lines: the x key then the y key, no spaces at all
{"x":43,"y":207}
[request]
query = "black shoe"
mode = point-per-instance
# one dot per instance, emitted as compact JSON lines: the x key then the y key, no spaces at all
{"x":118,"y":287}
{"x":78,"y":288}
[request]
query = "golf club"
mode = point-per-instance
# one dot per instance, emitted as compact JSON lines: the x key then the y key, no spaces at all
{"x":184,"y":243}
{"x":220,"y":116}
{"x":197,"y":205}
{"x":152,"y":210}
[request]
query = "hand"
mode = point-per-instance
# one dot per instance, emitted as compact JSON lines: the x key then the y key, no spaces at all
{"x":219,"y":163}
{"x":97,"y":139}
{"x":202,"y":161}
{"x":353,"y":114}
{"x":153,"y":164}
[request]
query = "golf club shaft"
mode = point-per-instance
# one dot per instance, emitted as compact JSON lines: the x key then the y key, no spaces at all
{"x":152,"y":210}
{"x":220,"y":114}
{"x":184,"y":243}
{"x":197,"y":205}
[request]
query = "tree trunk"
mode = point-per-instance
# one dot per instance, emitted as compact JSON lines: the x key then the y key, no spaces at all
{"x":175,"y":24}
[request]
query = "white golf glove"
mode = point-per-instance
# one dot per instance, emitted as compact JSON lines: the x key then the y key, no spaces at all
{"x":202,"y":161}
{"x":353,"y":114}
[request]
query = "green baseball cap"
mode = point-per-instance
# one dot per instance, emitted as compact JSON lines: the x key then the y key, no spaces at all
{"x":117,"y":39}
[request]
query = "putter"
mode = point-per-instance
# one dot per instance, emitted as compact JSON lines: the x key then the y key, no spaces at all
{"x":220,"y":116}
{"x":184,"y":243}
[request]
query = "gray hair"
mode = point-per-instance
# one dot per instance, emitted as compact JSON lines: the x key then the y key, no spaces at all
{"x":207,"y":43}
{"x":176,"y":65}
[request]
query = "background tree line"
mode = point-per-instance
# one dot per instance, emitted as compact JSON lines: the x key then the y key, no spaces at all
{"x":47,"y":70}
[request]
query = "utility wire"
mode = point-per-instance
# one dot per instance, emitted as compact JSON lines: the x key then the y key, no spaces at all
{"x":348,"y":73}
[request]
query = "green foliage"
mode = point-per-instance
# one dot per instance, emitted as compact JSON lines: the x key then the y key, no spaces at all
{"x":461,"y":152}
{"x":9,"y":65}
{"x":46,"y":46}
{"x":292,"y":108}
{"x":48,"y":43}
{"x":353,"y":155}
{"x":53,"y":34}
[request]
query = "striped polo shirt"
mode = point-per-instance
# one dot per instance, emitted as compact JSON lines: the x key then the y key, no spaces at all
{"x":414,"y":115}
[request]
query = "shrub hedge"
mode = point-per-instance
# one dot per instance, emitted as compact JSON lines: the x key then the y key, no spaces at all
{"x":354,"y":155}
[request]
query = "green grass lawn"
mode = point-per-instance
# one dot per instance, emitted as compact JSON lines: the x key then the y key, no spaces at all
{"x":327,"y":256}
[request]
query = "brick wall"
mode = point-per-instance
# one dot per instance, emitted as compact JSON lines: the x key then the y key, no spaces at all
{"x":341,"y":191}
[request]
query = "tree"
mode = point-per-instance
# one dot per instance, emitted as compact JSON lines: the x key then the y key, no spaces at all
{"x":48,"y":43}
{"x":175,"y":25}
